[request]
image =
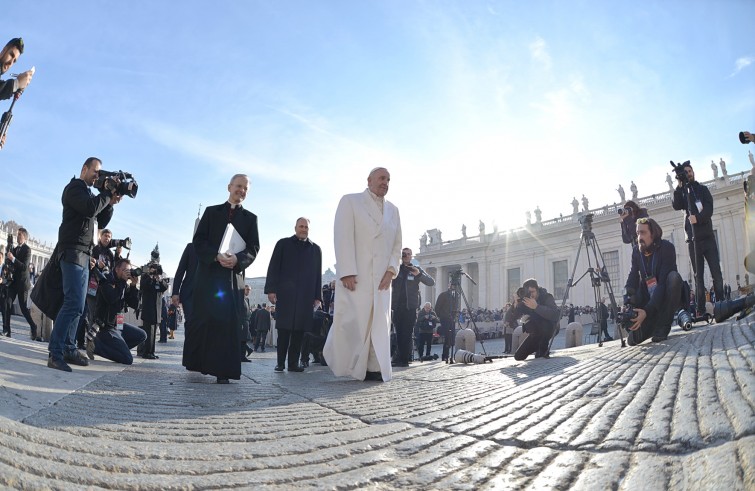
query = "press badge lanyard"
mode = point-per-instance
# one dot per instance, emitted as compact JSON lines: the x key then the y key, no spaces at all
{"x":650,"y":280}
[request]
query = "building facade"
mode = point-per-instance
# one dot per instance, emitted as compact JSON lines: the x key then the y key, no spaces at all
{"x":500,"y":262}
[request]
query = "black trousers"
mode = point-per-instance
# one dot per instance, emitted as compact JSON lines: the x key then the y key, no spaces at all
{"x":14,"y":292}
{"x":448,"y":331}
{"x":404,"y":320}
{"x":708,"y":250}
{"x":507,"y":338}
{"x":289,"y":343}
{"x":148,"y":346}
{"x":659,"y":324}
{"x":537,"y":341}
{"x":426,"y":342}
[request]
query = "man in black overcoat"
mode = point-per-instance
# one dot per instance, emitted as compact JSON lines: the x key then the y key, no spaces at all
{"x":18,"y":261}
{"x":294,"y":286}
{"x":183,"y":282}
{"x":214,"y":334}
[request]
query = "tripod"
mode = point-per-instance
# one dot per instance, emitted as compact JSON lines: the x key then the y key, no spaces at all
{"x":598,"y":276}
{"x":456,"y":283}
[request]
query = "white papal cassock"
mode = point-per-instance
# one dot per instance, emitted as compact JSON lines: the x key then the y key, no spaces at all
{"x":367,"y":244}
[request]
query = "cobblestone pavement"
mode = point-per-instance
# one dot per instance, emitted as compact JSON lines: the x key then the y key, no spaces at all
{"x":673,"y":415}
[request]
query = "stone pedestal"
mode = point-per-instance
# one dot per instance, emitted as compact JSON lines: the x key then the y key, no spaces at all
{"x":517,"y":338}
{"x":574,"y":333}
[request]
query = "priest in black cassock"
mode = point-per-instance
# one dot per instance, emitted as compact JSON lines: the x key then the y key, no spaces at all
{"x":213,"y":338}
{"x":294,"y":285}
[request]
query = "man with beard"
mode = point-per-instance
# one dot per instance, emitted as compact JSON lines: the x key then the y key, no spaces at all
{"x":654,"y":286}
{"x":293,"y":285}
{"x":405,"y":303}
{"x":214,"y":336}
{"x":8,"y":57}
{"x":367,"y":233}
{"x":703,"y":246}
{"x":82,"y":214}
{"x":543,"y":315}
{"x":114,"y":338}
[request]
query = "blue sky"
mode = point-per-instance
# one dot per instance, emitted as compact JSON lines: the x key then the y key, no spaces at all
{"x":481,"y":110}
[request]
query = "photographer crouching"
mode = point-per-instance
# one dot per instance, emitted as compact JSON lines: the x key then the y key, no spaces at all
{"x":109,"y":337}
{"x":542,"y":316}
{"x":653,"y":287}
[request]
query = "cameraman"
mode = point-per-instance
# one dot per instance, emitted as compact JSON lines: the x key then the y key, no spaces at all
{"x":654,"y":286}
{"x":151,"y":288}
{"x":114,"y":338}
{"x":628,"y":218}
{"x":82,"y":214}
{"x":405,"y":302}
{"x":427,"y":322}
{"x":704,"y":244}
{"x":104,"y":261}
{"x":543,"y":316}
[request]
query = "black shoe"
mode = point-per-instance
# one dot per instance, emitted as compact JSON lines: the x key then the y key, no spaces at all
{"x":249,"y":351}
{"x":373,"y":377}
{"x":38,"y":338}
{"x":76,"y":358}
{"x":400,"y":364}
{"x":58,"y":364}
{"x":162,"y":341}
{"x":150,"y":357}
{"x":295,"y":368}
{"x":245,"y":360}
{"x":658,"y":339}
{"x":222,"y":381}
{"x":6,"y":334}
{"x":278,"y":368}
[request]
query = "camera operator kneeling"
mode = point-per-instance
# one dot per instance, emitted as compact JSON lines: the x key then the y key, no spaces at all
{"x":654,"y":286}
{"x":543,"y":314}
{"x":112,"y":296}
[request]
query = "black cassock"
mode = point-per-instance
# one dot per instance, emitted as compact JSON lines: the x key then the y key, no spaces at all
{"x":295,"y":276}
{"x":213,"y":338}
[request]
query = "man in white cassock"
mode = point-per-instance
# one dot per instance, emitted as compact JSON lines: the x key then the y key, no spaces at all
{"x":368,"y":252}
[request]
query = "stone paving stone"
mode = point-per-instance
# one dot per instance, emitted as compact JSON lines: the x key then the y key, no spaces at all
{"x":671,"y":415}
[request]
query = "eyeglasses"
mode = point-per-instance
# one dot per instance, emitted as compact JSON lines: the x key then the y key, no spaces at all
{"x":642,"y":220}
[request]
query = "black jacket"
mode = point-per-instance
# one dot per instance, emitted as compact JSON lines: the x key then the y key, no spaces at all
{"x":543,"y":319}
{"x":445,"y":305}
{"x":426,"y":321}
{"x":112,"y":297}
{"x":80,"y":210}
{"x":19,"y":268}
{"x":659,"y":265}
{"x":406,"y":288}
{"x":295,"y":276}
{"x":704,"y":225}
{"x":183,"y":282}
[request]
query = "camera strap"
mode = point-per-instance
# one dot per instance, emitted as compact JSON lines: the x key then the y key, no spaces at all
{"x":650,"y":280}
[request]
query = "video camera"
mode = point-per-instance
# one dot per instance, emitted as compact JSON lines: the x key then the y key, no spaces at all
{"x":746,"y":137}
{"x":626,"y":317}
{"x":125,"y":243}
{"x":120,"y":182}
{"x":455,"y":277}
{"x":681,"y":174}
